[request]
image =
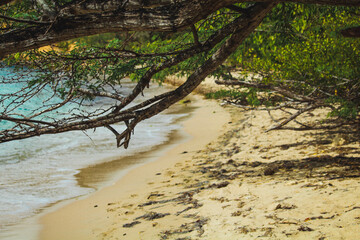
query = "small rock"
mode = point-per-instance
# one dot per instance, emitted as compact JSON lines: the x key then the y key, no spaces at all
{"x":236,"y":214}
{"x":219,"y":185}
{"x":284,"y":206}
{"x":305,"y":229}
{"x":270,"y":170}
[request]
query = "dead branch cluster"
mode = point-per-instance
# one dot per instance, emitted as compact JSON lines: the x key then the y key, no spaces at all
{"x":293,"y":104}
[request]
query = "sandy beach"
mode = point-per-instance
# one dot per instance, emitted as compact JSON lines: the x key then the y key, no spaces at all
{"x":73,"y":221}
{"x":228,"y":179}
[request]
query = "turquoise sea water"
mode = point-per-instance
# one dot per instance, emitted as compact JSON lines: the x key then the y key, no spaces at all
{"x":39,"y":171}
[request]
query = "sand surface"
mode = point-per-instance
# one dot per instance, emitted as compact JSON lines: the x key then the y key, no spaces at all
{"x":89,"y":218}
{"x":230,"y":180}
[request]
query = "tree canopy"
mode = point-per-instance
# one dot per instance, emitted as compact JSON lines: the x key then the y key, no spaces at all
{"x":294,"y":51}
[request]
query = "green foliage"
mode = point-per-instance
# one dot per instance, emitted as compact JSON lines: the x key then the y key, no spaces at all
{"x":221,"y":94}
{"x":245,"y":97}
{"x":299,"y":47}
{"x":346,"y":109}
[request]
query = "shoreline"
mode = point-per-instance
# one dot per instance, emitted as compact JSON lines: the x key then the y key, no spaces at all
{"x":107,"y":172}
{"x":110,"y":172}
{"x":24,"y":226}
{"x":98,"y":176}
{"x":244,"y":184}
{"x":236,"y":182}
{"x":56,"y":227}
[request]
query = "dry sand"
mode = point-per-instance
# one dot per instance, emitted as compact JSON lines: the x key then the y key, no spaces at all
{"x":231,"y":180}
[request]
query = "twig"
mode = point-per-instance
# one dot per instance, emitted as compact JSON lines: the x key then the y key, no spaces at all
{"x":279,"y":90}
{"x":24,"y":20}
{"x":195,"y":34}
{"x":292,"y":117}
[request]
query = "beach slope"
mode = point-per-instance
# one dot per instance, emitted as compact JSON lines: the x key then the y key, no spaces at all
{"x":88,"y":218}
{"x":245,"y":184}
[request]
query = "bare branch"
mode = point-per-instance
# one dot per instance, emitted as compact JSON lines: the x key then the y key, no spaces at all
{"x":24,"y":120}
{"x":24,"y":20}
{"x":279,"y":90}
{"x":83,"y":18}
{"x":100,"y":94}
{"x":196,"y":37}
{"x":292,"y":117}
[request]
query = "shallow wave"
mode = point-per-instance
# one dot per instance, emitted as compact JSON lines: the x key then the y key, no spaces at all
{"x":39,"y":171}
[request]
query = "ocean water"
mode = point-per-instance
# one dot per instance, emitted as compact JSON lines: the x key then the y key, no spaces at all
{"x":40,"y":171}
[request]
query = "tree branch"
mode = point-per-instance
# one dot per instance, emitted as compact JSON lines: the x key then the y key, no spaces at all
{"x":87,"y":18}
{"x":196,"y":37}
{"x":292,"y":117}
{"x":279,"y":90}
{"x":84,"y":18}
{"x":100,"y":94}
{"x":25,"y":20}
{"x":258,"y":12}
{"x":238,"y":30}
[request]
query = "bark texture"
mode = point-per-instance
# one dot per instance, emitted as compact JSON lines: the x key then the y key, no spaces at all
{"x":90,"y":17}
{"x":84,"y":18}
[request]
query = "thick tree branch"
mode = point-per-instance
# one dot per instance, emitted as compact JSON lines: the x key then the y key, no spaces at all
{"x":258,"y":12}
{"x":121,"y":15}
{"x":182,"y":56}
{"x":84,"y":18}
